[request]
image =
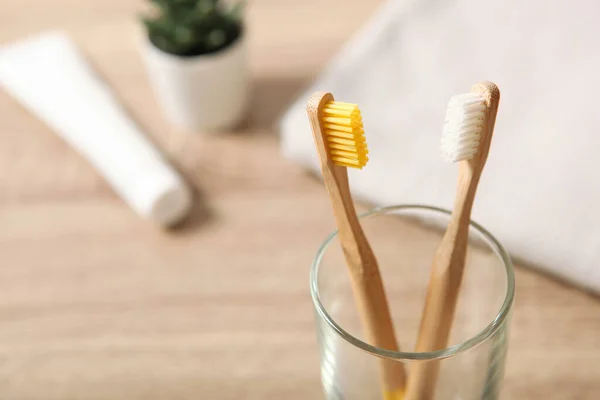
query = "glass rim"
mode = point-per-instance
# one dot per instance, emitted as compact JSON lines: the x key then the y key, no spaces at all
{"x":472,"y":342}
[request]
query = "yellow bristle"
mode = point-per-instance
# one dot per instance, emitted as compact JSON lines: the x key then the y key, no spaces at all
{"x":342,"y":106}
{"x":343,"y":141}
{"x":342,"y":153}
{"x":339,"y":134}
{"x":346,"y":162}
{"x":336,"y":146}
{"x":344,"y":133}
{"x":338,"y":120}
{"x":340,"y":128}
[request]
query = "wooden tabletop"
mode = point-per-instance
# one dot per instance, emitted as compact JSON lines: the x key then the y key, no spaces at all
{"x":96,"y":303}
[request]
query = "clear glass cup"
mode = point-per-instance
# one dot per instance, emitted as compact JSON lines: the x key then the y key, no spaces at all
{"x":404,"y":239}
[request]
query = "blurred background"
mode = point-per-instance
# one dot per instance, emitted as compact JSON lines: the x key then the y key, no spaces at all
{"x":159,"y":210}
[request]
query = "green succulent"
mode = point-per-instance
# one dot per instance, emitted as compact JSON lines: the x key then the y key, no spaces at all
{"x":193,"y":27}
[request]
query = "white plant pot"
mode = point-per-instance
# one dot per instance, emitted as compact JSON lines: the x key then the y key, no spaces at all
{"x":202,"y":93}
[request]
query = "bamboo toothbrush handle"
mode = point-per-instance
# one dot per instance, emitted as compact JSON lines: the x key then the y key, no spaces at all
{"x":367,"y":285}
{"x":449,"y":261}
{"x":442,"y":295}
{"x":369,"y":293}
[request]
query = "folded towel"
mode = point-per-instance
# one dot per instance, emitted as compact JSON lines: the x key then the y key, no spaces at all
{"x":540,"y":188}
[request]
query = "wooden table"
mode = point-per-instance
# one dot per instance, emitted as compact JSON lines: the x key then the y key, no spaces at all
{"x":97,"y":304}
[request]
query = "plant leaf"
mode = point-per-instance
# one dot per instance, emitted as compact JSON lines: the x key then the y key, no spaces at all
{"x":192,"y":27}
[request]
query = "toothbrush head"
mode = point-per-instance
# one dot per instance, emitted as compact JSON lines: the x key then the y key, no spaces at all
{"x":463,"y":127}
{"x":344,"y":135}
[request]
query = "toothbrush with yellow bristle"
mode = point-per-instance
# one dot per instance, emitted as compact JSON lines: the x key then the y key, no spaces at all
{"x":468,"y":130}
{"x":339,"y":137}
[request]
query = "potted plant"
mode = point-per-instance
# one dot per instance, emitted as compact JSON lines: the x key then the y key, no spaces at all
{"x":195,"y":53}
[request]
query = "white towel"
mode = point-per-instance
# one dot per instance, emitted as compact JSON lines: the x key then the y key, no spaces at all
{"x":540,"y":190}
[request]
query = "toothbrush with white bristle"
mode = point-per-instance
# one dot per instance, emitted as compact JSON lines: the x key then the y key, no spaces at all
{"x":466,"y":139}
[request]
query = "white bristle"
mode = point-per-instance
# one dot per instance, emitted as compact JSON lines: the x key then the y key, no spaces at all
{"x":462,"y":128}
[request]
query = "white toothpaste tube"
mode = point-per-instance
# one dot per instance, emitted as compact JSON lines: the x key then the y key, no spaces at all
{"x":50,"y":77}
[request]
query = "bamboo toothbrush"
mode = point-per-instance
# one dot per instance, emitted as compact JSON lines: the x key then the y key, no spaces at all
{"x":466,"y":139}
{"x":339,"y":138}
